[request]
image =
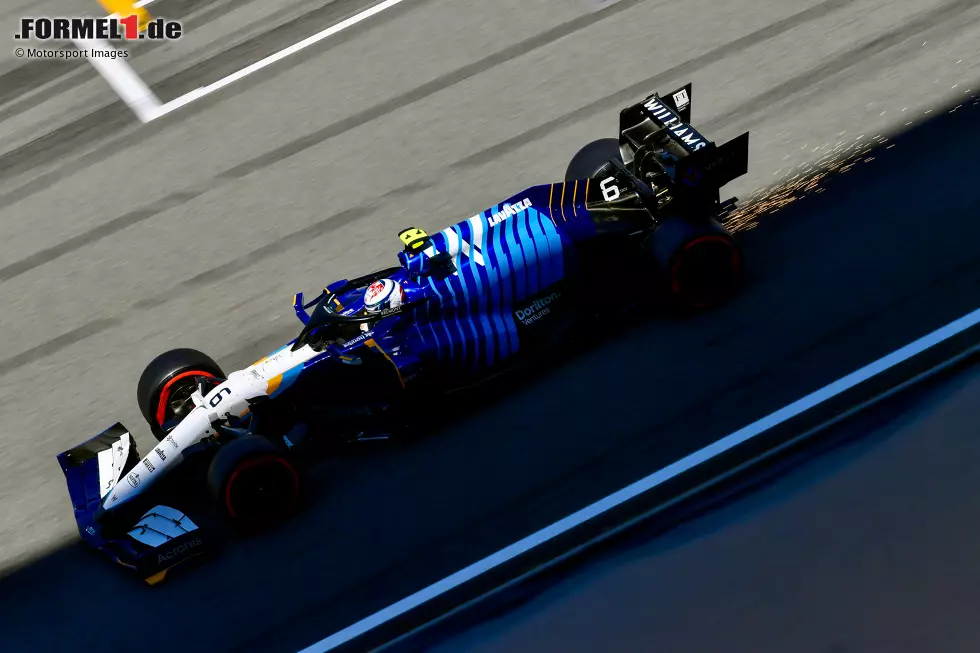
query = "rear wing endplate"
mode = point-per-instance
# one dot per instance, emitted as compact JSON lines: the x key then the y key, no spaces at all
{"x":714,"y":166}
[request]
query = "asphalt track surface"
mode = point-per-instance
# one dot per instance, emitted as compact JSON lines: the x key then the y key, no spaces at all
{"x":872,"y":547}
{"x":124,"y":240}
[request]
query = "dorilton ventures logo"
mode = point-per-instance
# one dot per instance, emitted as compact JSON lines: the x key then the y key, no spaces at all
{"x":107,"y":29}
{"x":538,"y":308}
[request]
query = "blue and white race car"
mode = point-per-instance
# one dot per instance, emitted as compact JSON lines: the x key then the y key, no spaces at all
{"x":507,"y":284}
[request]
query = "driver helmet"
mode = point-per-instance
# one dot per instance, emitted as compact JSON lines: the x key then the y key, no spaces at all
{"x":383,"y":294}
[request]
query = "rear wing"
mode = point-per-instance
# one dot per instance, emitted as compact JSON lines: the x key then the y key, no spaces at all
{"x":658,"y":130}
{"x":672,"y":113}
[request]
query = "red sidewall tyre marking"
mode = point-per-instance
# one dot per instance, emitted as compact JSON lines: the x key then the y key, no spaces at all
{"x":252,"y":463}
{"x":165,"y":392}
{"x":736,"y":259}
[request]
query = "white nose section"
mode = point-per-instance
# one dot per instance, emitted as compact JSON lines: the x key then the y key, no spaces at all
{"x":230,"y":398}
{"x":161,"y":458}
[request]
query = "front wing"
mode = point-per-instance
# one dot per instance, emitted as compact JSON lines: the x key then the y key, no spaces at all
{"x":150,"y":544}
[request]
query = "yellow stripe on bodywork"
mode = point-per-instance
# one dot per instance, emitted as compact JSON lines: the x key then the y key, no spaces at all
{"x":273,"y":384}
{"x":157,"y":577}
{"x":551,"y":213}
{"x":563,"y":202}
{"x":574,"y":195}
{"x":371,"y":343}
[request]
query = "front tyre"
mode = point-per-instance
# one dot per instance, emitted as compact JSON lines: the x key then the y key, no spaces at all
{"x":253,"y":484}
{"x":165,"y":387}
{"x":589,"y":160}
{"x":702,"y":262}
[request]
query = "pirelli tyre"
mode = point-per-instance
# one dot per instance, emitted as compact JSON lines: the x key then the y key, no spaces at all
{"x":166,"y":384}
{"x":702,"y":262}
{"x":590,"y":159}
{"x":254,"y":485}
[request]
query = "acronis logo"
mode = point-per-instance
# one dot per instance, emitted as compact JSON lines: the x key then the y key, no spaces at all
{"x":179,"y":550}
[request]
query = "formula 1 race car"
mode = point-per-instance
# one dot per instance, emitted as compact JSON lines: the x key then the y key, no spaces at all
{"x":463,"y":305}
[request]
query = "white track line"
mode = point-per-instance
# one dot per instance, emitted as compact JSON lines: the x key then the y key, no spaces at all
{"x":645,"y":484}
{"x":122,"y":78}
{"x":200,"y":92}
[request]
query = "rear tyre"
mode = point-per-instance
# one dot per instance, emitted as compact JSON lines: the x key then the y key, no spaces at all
{"x":702,"y":262}
{"x":168,"y":381}
{"x":253,"y":484}
{"x":589,"y":160}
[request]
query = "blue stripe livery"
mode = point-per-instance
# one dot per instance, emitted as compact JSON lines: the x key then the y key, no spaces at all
{"x":503,"y":257}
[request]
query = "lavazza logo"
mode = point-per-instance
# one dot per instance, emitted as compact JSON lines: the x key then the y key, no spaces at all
{"x":538,"y":309}
{"x":180,"y":550}
{"x":509,"y":210}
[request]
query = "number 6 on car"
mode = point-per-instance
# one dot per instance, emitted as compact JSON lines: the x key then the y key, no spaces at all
{"x":526,"y":272}
{"x":216,"y":399}
{"x":610,"y":191}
